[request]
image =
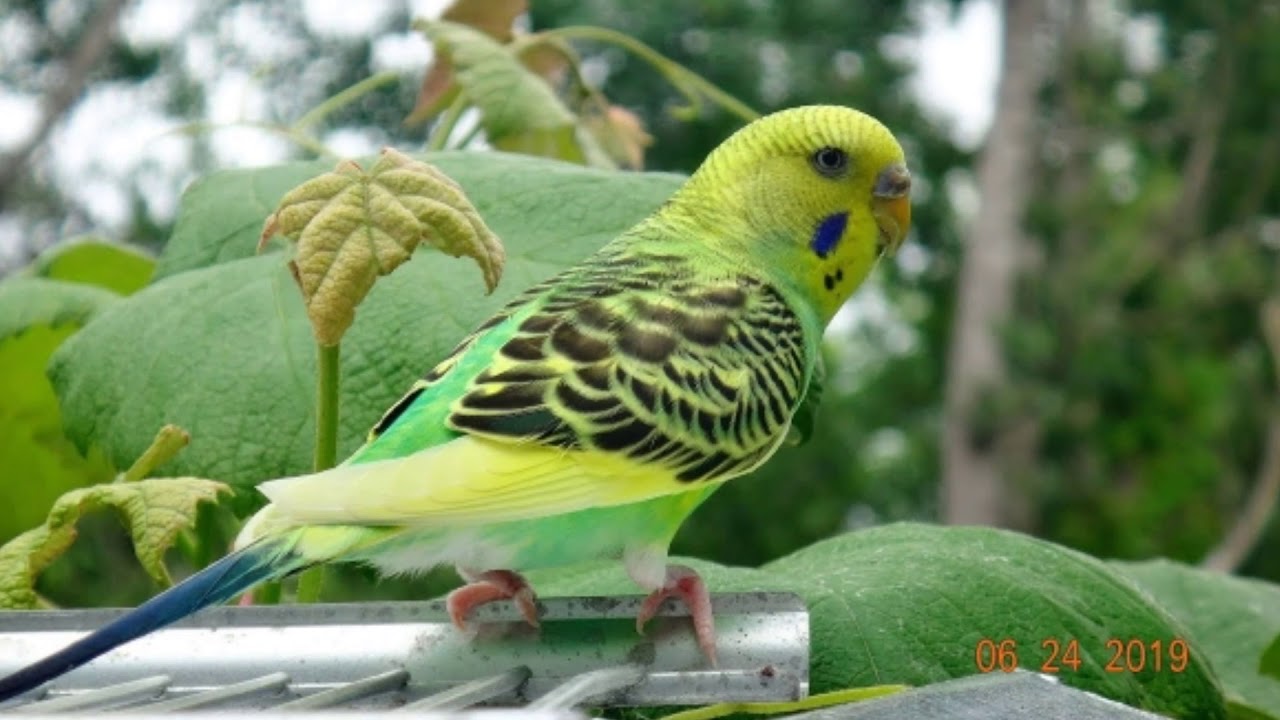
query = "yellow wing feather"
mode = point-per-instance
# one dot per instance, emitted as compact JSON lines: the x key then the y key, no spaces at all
{"x":467,"y":481}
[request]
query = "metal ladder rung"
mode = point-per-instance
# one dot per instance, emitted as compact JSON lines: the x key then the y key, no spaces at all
{"x":266,"y":684}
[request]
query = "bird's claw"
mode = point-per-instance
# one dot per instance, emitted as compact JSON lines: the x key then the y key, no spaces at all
{"x":684,"y":583}
{"x":490,"y":587}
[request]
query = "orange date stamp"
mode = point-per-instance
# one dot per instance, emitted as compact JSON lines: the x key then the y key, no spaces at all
{"x":1058,"y":655}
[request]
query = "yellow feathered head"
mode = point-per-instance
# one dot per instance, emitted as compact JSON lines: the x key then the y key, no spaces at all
{"x":816,"y":193}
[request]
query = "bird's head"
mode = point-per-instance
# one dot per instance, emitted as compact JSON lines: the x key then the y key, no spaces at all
{"x":816,"y":194}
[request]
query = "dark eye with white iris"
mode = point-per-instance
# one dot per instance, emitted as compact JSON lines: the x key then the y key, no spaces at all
{"x":830,"y":161}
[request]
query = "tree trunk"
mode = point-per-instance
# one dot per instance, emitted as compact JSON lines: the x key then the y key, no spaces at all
{"x":974,"y":490}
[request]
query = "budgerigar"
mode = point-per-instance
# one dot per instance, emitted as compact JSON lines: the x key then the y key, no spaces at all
{"x":593,"y":413}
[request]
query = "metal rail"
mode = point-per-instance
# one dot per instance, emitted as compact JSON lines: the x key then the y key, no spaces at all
{"x":408,"y":656}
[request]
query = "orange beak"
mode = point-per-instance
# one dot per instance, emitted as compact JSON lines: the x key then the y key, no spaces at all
{"x":891,"y":206}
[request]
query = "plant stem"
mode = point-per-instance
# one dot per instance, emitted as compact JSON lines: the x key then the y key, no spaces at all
{"x":168,"y":442}
{"x":267,"y":594}
{"x":684,"y":79}
{"x":469,"y":136}
{"x":440,"y":134}
{"x":327,"y":373}
{"x":328,"y":357}
{"x":342,"y":99}
{"x":310,"y":584}
{"x":302,"y":140}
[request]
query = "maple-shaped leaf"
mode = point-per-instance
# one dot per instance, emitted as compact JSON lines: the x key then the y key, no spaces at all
{"x":352,"y":226}
{"x":154,"y":511}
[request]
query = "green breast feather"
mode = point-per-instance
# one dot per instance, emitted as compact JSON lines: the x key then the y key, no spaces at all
{"x":658,"y":357}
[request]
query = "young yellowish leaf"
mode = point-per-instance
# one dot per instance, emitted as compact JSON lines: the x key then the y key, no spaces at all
{"x":519,"y":110}
{"x":154,"y":511}
{"x":353,"y":226}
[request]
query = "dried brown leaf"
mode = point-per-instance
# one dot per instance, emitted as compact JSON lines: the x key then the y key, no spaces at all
{"x":621,"y":135}
{"x":492,"y":17}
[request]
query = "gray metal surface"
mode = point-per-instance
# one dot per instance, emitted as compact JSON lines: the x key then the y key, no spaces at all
{"x":387,"y":655}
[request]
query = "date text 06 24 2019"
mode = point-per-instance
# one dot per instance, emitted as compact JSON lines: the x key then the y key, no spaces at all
{"x":1061,"y":655}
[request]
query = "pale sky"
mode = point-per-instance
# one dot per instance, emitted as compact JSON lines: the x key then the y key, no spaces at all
{"x":115,"y":130}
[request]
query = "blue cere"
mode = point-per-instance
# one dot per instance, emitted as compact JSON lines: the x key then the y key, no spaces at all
{"x":828,"y":234}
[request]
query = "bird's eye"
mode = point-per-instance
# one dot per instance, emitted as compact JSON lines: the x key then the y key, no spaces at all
{"x":830,"y":161}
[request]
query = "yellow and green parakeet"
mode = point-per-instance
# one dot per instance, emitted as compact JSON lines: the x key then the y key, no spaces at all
{"x":592,"y":414}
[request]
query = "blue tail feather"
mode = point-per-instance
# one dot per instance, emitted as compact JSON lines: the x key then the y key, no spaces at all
{"x":215,"y":584}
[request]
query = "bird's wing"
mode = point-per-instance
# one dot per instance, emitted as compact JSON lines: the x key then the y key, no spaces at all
{"x":632,"y":378}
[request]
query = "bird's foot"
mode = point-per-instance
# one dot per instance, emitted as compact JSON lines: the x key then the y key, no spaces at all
{"x":491,"y":586}
{"x":684,"y":583}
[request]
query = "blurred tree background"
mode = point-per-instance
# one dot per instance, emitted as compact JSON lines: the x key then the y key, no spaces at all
{"x":1078,"y":341}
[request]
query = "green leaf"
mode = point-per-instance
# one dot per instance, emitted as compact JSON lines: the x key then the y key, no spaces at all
{"x":39,"y":462}
{"x":353,"y":226}
{"x":220,"y":217}
{"x":519,"y":110}
{"x":154,"y":511}
{"x":1269,"y":664}
{"x":1231,"y":618}
{"x":92,"y":261}
{"x":918,"y":604}
{"x":26,"y":302}
{"x":226,"y":351}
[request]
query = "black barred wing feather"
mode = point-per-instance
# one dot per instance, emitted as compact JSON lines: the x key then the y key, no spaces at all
{"x":635,"y":356}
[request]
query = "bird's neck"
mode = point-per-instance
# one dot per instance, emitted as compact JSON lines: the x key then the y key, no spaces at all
{"x":712,"y":226}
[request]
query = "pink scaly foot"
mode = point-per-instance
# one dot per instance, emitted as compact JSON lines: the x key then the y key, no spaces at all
{"x":487,"y":587}
{"x":684,"y":583}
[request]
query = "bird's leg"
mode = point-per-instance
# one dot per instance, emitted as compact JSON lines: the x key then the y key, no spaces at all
{"x":487,"y":587}
{"x":684,"y":583}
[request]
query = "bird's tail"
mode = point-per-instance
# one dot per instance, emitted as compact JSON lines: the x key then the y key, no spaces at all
{"x":221,"y":581}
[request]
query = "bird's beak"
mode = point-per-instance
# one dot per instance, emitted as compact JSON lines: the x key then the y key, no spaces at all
{"x":891,"y":206}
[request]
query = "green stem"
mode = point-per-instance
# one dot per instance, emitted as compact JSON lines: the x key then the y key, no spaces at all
{"x":168,"y":442}
{"x":267,"y":594}
{"x":310,"y":584}
{"x":471,"y":135}
{"x":327,"y":372}
{"x":328,"y":357}
{"x":300,"y":139}
{"x":683,"y":79}
{"x":440,"y":134}
{"x":342,"y":99}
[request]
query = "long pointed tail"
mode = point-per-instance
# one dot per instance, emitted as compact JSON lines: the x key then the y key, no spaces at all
{"x":215,"y":584}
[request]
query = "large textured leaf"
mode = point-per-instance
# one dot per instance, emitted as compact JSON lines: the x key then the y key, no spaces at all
{"x":226,"y":352}
{"x":37,"y":461}
{"x":519,"y":110}
{"x":997,"y":696}
{"x":1232,"y":619}
{"x":917,"y":604}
